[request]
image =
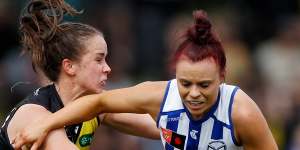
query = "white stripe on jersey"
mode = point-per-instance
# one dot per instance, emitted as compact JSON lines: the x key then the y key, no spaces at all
{"x":173,"y":101}
{"x":223,"y":109}
{"x":206,"y":126}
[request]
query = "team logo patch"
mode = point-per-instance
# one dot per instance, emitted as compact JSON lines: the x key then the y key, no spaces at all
{"x":216,"y":145}
{"x":174,"y":139}
{"x":85,"y":140}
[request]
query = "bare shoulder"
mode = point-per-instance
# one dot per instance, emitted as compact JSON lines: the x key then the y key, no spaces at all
{"x":25,"y":115}
{"x":249,"y":123}
{"x":244,"y":108}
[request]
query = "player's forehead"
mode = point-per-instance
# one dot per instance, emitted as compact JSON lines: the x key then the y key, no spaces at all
{"x":205,"y":69}
{"x":95,"y":46}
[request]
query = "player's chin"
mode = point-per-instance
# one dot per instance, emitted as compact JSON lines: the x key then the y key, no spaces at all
{"x":96,"y":90}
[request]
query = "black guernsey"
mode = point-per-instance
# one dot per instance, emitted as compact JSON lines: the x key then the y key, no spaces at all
{"x":48,"y":98}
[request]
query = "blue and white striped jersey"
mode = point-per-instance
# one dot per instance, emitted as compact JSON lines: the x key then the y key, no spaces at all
{"x":212,"y":132}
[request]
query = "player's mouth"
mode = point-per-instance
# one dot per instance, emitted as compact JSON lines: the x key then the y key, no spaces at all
{"x":194,"y":104}
{"x":103,"y":83}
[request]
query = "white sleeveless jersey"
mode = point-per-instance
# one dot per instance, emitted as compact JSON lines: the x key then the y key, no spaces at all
{"x":212,"y":132}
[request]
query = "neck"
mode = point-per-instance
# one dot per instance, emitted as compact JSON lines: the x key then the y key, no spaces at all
{"x":68,"y":91}
{"x":197,"y":117}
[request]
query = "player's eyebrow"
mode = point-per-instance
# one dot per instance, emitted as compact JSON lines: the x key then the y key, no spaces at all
{"x":100,"y":54}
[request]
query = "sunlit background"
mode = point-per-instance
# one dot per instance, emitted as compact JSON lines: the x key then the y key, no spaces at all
{"x":261,"y":39}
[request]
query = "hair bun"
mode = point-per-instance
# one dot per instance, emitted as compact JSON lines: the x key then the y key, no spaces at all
{"x":44,"y":16}
{"x":202,"y":27}
{"x":36,"y":5}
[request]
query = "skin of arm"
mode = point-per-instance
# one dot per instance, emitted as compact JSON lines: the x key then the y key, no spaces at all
{"x":57,"y":139}
{"x":135,"y":124}
{"x":143,"y":98}
{"x":250,"y":127}
{"x":36,"y":112}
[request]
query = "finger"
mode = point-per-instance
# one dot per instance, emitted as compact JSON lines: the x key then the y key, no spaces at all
{"x":25,"y":147}
{"x":13,"y":141}
{"x":18,"y":149}
{"x":18,"y":142}
{"x":35,"y":146}
{"x":14,"y":145}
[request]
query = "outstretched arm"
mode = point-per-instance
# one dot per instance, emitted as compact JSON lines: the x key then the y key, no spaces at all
{"x":142,"y":98}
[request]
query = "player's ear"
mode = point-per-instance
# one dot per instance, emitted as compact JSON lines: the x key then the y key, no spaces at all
{"x":69,"y":67}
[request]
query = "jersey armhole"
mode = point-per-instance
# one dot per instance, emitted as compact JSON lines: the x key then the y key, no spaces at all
{"x":163,"y":103}
{"x":230,"y":117}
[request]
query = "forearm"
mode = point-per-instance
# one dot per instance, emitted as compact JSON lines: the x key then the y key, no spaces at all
{"x":78,"y":111}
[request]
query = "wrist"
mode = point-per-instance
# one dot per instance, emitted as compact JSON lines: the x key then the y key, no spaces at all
{"x":49,"y":124}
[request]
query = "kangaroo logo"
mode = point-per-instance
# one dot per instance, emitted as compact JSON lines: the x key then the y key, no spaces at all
{"x":216,"y":145}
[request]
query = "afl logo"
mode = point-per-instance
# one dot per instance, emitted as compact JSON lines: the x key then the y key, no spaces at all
{"x":216,"y":145}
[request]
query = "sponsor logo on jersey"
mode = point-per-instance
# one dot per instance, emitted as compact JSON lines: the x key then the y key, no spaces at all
{"x":173,"y":119}
{"x":85,"y":140}
{"x":216,"y":145}
{"x":36,"y":92}
{"x":174,"y":139}
{"x":193,"y":134}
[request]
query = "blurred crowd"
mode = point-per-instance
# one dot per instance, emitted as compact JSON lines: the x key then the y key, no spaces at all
{"x":261,"y":40}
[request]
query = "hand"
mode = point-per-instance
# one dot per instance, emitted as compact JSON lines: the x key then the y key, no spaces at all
{"x":31,"y":136}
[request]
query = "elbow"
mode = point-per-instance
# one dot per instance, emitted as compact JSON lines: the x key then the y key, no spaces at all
{"x":156,"y":134}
